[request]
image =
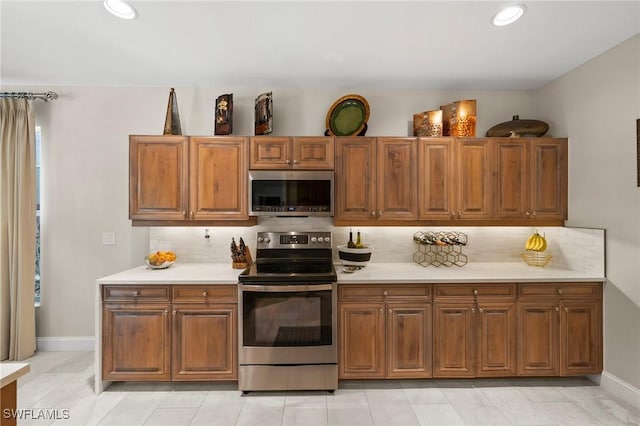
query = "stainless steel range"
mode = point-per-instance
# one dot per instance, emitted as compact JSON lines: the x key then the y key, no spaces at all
{"x":288,"y":314}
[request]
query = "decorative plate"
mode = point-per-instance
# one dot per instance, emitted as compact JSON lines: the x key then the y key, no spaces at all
{"x":348,"y":116}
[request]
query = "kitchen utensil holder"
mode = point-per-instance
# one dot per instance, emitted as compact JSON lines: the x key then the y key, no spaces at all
{"x":440,"y":248}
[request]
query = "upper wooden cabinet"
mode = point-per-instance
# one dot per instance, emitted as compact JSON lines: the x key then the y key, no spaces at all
{"x":305,"y":153}
{"x":158,"y":177}
{"x":376,"y":179}
{"x":531,"y":178}
{"x":179,"y":178}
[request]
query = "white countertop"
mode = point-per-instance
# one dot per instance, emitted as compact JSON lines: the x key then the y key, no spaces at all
{"x":12,"y":371}
{"x":480,"y":272}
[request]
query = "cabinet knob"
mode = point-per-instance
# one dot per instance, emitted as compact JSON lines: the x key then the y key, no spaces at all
{"x":533,"y":214}
{"x":560,"y":291}
{"x":174,"y":312}
{"x":480,"y":310}
{"x":204,"y":294}
{"x":475,"y":292}
{"x":386,"y":293}
{"x":184,"y":214}
{"x":136,"y":293}
{"x":193,"y":215}
{"x":373,"y":213}
{"x":380,"y":212}
{"x":473,"y":311}
{"x":390,"y":310}
{"x":527,"y":213}
{"x":166,"y":311}
{"x":288,"y":161}
{"x":460,"y":214}
{"x":381,"y":310}
{"x":557,"y":309}
{"x":295,"y":161}
{"x":566,"y":309}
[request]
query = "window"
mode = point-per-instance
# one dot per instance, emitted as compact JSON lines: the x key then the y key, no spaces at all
{"x":38,"y":175}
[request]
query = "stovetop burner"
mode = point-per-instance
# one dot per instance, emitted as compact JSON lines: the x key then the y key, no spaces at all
{"x":291,"y":257}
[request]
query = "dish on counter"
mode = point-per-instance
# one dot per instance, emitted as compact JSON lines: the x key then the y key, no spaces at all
{"x":348,"y":116}
{"x":163,"y":265}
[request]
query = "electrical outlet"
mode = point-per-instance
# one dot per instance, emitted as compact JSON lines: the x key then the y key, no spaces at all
{"x":109,"y":238}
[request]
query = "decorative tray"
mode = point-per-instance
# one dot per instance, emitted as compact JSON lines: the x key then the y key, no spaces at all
{"x":348,"y":116}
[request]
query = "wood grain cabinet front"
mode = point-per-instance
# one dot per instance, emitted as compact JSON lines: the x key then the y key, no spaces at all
{"x":283,"y":153}
{"x":474,"y":330}
{"x":191,"y":336}
{"x":384,"y":332}
{"x":560,"y":329}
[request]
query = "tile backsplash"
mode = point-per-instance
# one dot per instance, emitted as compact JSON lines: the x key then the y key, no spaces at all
{"x":578,"y":249}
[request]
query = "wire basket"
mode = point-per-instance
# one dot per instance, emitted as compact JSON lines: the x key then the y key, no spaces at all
{"x":536,"y":258}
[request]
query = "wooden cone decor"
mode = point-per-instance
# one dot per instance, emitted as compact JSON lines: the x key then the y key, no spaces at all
{"x":172,"y":121}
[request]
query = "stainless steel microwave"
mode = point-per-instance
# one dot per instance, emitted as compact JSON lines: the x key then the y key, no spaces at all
{"x":290,"y":193}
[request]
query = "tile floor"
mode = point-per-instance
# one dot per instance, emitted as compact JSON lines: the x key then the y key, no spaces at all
{"x":64,"y":381}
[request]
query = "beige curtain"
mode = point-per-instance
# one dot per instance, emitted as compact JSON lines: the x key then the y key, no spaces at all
{"x":17,"y":229}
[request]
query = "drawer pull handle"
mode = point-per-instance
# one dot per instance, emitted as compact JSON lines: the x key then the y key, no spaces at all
{"x":136,"y":293}
{"x":204,"y":294}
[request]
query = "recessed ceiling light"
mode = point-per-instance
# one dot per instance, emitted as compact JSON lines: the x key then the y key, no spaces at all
{"x":508,"y":15}
{"x":120,"y":8}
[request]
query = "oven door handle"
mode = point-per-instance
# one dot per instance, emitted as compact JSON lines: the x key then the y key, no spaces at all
{"x":286,"y":288}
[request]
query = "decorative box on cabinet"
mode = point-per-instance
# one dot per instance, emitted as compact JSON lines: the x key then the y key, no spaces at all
{"x":474,"y":330}
{"x":305,"y":153}
{"x":384,"y":331}
{"x":559,"y":329}
{"x":376,"y":179}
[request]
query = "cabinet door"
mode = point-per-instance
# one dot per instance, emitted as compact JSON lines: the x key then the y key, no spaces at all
{"x":355,"y":178}
{"x":538,"y":338}
{"x":397,"y":179}
{"x":496,"y":340}
{"x":435,"y":179}
{"x":313,"y":153}
{"x":158,"y":177}
{"x":408,"y":340}
{"x":512,"y":178}
{"x":136,"y":342}
{"x":204,"y":342}
{"x":453,"y":340}
{"x":269,"y":152}
{"x":549,"y":178}
{"x":361,"y":348}
{"x":218,"y":178}
{"x":473,"y":178}
{"x":580,"y":338}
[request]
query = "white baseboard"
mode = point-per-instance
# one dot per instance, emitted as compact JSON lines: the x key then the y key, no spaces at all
{"x":65,"y":343}
{"x":618,"y":387}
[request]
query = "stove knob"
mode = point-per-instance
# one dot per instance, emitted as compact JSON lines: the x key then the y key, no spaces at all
{"x":260,"y":239}
{"x":327,"y":239}
{"x":314,"y":240}
{"x":267,"y":240}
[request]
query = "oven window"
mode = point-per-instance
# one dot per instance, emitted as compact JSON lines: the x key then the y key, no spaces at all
{"x":285,"y":319}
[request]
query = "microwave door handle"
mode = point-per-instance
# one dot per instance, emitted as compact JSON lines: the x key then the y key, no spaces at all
{"x":286,"y":288}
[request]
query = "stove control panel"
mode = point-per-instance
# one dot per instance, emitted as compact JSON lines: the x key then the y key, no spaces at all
{"x":293,"y":240}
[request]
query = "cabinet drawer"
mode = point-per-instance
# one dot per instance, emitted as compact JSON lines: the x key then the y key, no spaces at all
{"x":135,"y":294}
{"x":469,"y":291}
{"x":384,"y":292}
{"x":562,"y":290}
{"x":205,"y":293}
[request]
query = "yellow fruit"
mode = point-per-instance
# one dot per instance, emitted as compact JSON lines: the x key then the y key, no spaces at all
{"x":536,"y":242}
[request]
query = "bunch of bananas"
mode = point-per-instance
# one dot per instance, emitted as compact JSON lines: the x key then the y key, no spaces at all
{"x":536,"y":242}
{"x":159,"y":257}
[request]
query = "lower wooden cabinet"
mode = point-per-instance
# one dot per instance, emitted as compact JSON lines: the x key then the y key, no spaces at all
{"x":383,"y":333}
{"x":560,"y":329}
{"x":194,"y":339}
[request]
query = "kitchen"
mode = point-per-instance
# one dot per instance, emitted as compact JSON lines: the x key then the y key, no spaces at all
{"x":89,"y":197}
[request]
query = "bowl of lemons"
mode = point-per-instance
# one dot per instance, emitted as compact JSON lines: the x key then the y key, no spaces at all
{"x":160,"y":259}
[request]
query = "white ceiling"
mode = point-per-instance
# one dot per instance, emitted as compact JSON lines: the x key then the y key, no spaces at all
{"x":339,"y":44}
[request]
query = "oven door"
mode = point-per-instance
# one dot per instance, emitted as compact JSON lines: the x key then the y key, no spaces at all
{"x":288,"y":324}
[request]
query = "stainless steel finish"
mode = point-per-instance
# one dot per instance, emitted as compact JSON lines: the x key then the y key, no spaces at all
{"x":286,"y":288}
{"x":45,"y":96}
{"x":291,"y":175}
{"x":288,"y":377}
{"x":315,"y":240}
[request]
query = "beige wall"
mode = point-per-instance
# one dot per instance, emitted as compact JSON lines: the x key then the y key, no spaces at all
{"x":85,"y":169}
{"x":597,"y":105}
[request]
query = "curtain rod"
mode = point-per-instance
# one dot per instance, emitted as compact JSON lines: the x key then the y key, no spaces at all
{"x":45,"y":96}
